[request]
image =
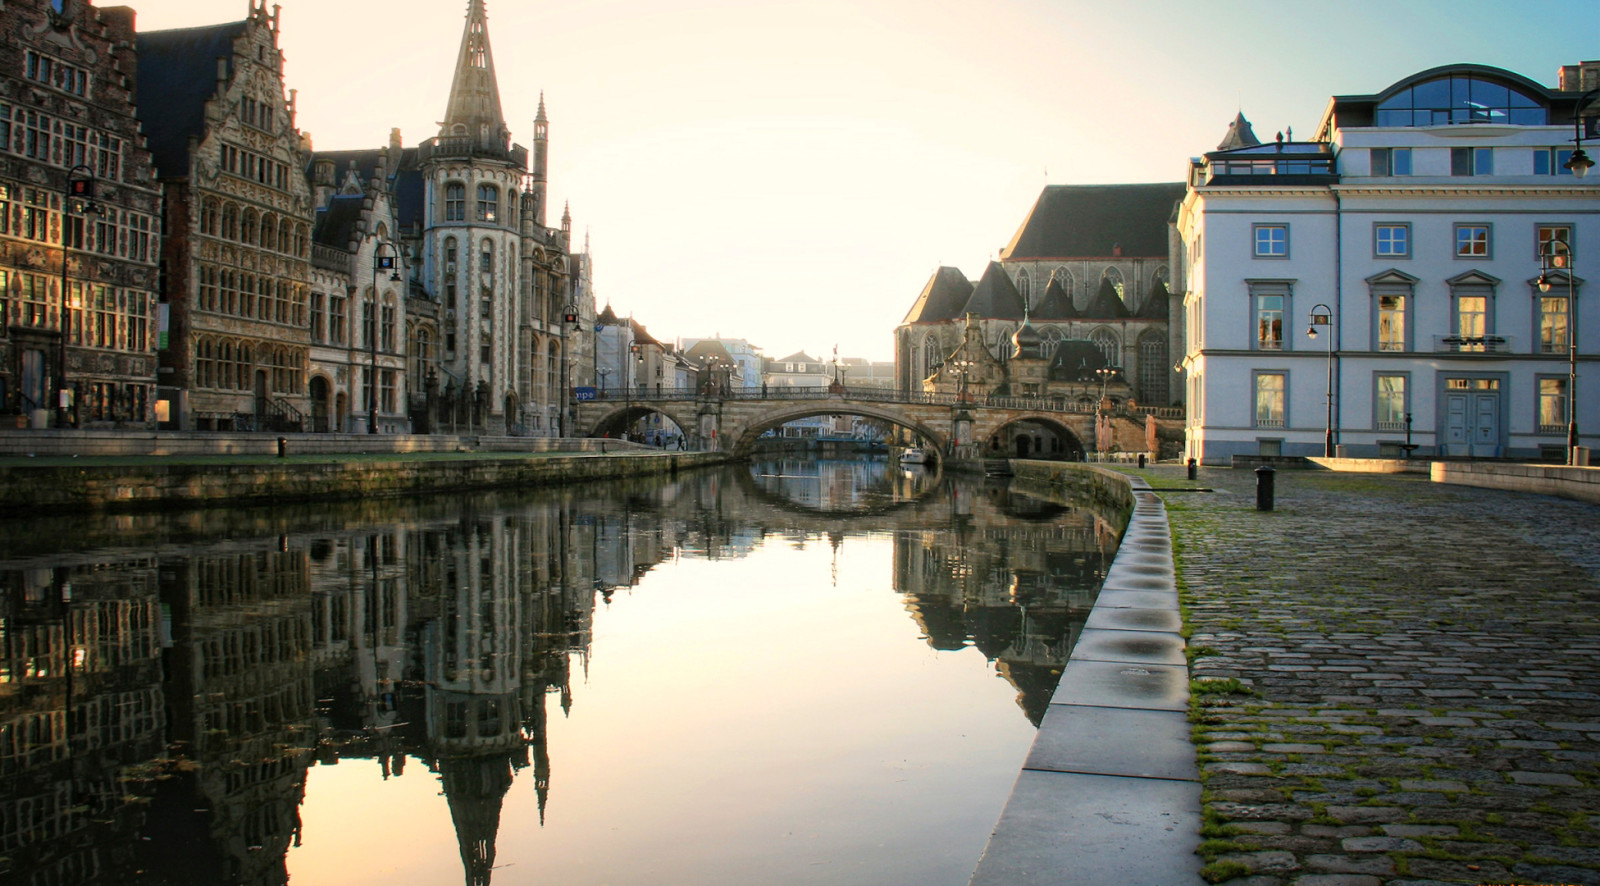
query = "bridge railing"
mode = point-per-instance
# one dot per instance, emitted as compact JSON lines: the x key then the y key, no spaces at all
{"x":1074,"y":406}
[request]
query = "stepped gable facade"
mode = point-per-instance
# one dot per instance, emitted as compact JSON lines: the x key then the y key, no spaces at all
{"x":67,"y":121}
{"x":238,"y":212}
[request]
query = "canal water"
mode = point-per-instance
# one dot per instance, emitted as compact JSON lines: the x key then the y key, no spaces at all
{"x":805,"y":672}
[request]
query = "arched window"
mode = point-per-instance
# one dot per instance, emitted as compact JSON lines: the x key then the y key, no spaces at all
{"x":1163,"y":276}
{"x":1153,"y":368}
{"x":1025,"y":286}
{"x":269,"y":231}
{"x":208,"y":216}
{"x":488,"y":203}
{"x":450,"y":253}
{"x":1106,"y":341}
{"x":1064,"y":277}
{"x":932,"y":357}
{"x":455,"y":201}
{"x":1049,"y":337}
{"x":1115,"y":276}
{"x":486,"y":257}
{"x":1461,"y":98}
{"x":230,"y":222}
{"x":247,"y":229}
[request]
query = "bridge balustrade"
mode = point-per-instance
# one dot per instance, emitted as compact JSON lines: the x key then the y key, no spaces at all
{"x":878,"y":395}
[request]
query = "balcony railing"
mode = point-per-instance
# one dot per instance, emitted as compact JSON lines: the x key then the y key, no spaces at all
{"x":1472,"y":344}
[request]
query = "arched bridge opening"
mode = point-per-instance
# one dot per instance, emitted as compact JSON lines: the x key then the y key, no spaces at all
{"x":643,"y":423}
{"x":1036,"y":437}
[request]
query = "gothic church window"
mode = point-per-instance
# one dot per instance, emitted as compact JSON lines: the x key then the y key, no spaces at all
{"x":1153,"y":368}
{"x":1024,"y":286}
{"x":1064,"y":277}
{"x":1115,"y":276}
{"x":931,"y":358}
{"x":1106,"y":341}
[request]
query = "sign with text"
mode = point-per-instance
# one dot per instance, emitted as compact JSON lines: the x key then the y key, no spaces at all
{"x":583,"y":393}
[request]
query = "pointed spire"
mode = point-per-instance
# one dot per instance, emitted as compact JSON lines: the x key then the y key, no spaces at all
{"x":475,"y":93}
{"x":540,"y":117}
{"x":1240,"y":135}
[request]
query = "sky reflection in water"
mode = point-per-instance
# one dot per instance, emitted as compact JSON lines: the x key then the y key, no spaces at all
{"x":725,"y":679}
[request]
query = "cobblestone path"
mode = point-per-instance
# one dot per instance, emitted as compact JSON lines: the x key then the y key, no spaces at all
{"x":1420,"y":670}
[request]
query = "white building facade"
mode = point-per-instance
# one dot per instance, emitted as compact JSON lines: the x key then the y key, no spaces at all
{"x":1408,"y":235}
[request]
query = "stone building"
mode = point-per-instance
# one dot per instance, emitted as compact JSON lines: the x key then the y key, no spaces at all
{"x":237,"y":253}
{"x":1088,"y":264}
{"x":79,"y":216}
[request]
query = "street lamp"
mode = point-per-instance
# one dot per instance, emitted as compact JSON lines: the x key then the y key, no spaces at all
{"x":80,"y":193}
{"x":380,"y":262}
{"x":1322,"y":315}
{"x":1556,"y":255}
{"x":1579,"y":163}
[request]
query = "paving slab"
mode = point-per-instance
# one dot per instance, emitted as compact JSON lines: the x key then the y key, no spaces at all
{"x":1116,"y":598}
{"x":1063,"y":827}
{"x":1126,"y":619}
{"x":1110,"y":684}
{"x":1140,"y":647}
{"x":1099,"y":741}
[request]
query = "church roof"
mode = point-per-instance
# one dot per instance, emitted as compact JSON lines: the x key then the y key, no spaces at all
{"x":1157,"y":305}
{"x":474,"y":92}
{"x":1056,"y":304}
{"x":337,"y":222}
{"x":366,"y":162}
{"x":177,"y":76}
{"x":1091,"y":221}
{"x":1076,"y":360}
{"x":1107,"y":305}
{"x":1240,"y":135}
{"x":995,"y":297}
{"x":942,"y":299}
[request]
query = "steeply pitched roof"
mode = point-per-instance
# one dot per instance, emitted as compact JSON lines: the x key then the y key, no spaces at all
{"x":1090,"y":221}
{"x":475,"y":93}
{"x":366,"y":162}
{"x":1240,"y":135}
{"x":942,"y":299}
{"x":1157,"y":305}
{"x":995,"y":297}
{"x":1056,"y":304}
{"x":177,"y":76}
{"x":336,"y":223}
{"x":1076,"y":360}
{"x":707,"y":348}
{"x":1107,"y":305}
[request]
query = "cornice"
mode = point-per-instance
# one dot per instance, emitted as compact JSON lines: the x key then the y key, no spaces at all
{"x":1452,"y":189}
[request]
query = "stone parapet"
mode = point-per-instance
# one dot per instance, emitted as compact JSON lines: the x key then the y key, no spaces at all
{"x":1582,"y":484}
{"x":179,"y":443}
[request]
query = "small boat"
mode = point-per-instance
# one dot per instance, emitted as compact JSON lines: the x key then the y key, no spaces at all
{"x":913,"y":456}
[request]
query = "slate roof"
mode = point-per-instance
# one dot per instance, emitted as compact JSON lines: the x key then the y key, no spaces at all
{"x":995,"y":297}
{"x":366,"y":161}
{"x":1106,"y":304}
{"x":1240,"y":135}
{"x":177,"y":76}
{"x":1089,"y":221}
{"x":1076,"y":360}
{"x":409,"y":192}
{"x":1157,"y":305}
{"x":947,"y":292}
{"x":336,"y":222}
{"x":1056,"y":304}
{"x":707,"y":348}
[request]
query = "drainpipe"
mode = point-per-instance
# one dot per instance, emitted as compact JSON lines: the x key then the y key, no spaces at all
{"x":1338,"y":300}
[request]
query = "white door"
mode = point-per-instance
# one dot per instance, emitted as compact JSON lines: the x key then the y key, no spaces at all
{"x":1472,"y":424}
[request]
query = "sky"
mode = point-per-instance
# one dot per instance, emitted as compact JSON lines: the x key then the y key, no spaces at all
{"x":792,"y":173}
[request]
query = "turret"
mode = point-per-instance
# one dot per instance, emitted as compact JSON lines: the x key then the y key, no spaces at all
{"x":541,"y":157}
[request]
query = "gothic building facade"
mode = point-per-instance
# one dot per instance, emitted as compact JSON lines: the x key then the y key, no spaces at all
{"x":237,"y":217}
{"x":79,"y":219}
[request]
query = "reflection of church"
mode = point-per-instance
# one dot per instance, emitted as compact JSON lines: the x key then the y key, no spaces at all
{"x":1018,"y":589}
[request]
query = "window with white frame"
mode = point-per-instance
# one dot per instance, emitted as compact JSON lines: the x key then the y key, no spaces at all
{"x":1545,"y":233}
{"x":1472,"y":240}
{"x":1554,"y":334}
{"x":1270,"y":402}
{"x":1269,"y":311}
{"x":1390,"y":402}
{"x":1272,"y":241}
{"x":1392,"y":321}
{"x":1391,"y":240}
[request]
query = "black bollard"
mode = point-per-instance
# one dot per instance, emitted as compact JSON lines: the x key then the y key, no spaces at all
{"x":283,"y":447}
{"x":1265,"y":481}
{"x":1141,"y":461}
{"x":1192,"y":469}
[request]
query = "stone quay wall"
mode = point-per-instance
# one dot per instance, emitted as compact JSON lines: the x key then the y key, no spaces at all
{"x":1582,"y":483}
{"x":191,"y":484}
{"x":168,"y":443}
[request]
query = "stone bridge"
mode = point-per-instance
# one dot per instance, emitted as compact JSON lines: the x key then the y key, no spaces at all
{"x":732,"y":421}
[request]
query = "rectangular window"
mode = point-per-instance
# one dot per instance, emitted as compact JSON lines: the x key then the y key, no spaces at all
{"x":1472,"y":316}
{"x":369,"y":322}
{"x":1472,"y":241}
{"x":1392,"y":240}
{"x":1391,"y":322}
{"x":1552,"y":404}
{"x":318,"y":321}
{"x":1269,"y":400}
{"x":1391,"y":161}
{"x":1272,"y":241}
{"x":1269,"y":322}
{"x":1551,"y":161}
{"x":1391,"y":403}
{"x":1553,"y":324}
{"x":1548,"y":233}
{"x":1472,"y":161}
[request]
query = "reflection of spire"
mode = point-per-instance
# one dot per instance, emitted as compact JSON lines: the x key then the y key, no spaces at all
{"x":475,"y":787}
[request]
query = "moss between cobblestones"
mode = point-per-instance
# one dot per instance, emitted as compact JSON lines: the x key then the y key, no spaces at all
{"x":1218,"y":871}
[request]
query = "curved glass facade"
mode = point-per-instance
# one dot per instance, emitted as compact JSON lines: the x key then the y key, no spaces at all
{"x":1461,"y":98}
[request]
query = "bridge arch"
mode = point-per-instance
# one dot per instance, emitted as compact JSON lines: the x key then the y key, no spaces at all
{"x":765,"y":421}
{"x":624,"y":415}
{"x":1034,"y":436}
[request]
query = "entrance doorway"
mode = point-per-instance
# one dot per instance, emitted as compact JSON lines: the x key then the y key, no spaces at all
{"x":1472,"y":417}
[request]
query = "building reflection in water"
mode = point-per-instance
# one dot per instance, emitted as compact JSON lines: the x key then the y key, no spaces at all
{"x":161,"y":702}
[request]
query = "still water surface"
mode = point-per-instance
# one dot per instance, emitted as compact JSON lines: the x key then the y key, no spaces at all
{"x":788,"y":672}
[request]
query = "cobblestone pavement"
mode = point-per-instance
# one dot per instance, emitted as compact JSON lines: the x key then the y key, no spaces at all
{"x":1419,"y":668}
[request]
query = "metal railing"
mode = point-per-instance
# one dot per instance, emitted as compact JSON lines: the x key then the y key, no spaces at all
{"x":1472,"y":344}
{"x":1077,"y":405}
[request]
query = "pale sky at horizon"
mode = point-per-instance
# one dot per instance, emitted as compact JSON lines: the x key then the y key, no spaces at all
{"x":792,"y":173}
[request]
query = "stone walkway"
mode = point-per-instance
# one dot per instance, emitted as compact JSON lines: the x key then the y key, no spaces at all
{"x":1417,"y":667}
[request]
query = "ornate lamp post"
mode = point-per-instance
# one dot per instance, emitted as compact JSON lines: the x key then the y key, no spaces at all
{"x":1322,"y":315}
{"x":80,"y":194}
{"x":380,"y":262}
{"x":1556,"y":255}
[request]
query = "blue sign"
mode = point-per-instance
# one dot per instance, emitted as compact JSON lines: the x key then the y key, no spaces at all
{"x":583,"y":393}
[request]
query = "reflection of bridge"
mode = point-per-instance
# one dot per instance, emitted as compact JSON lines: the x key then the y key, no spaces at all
{"x":731,"y":421}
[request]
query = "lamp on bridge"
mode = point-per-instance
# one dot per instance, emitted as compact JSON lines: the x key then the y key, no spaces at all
{"x":1322,"y":315}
